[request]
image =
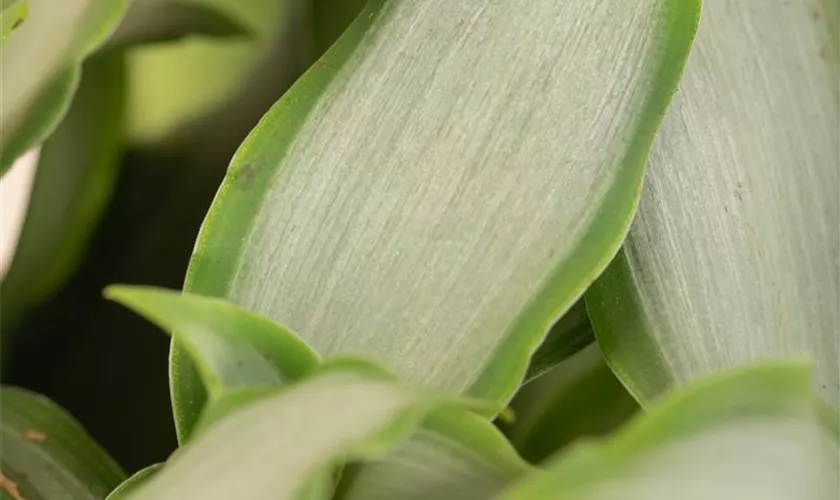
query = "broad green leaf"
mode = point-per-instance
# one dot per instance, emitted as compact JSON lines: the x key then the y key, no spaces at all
{"x":568,"y":336}
{"x":232,"y":347}
{"x":12,"y":15}
{"x":133,"y":483}
{"x":409,"y":201}
{"x":578,"y":398}
{"x":749,"y":435}
{"x":272,"y":448}
{"x":733,"y":255}
{"x":41,"y":67}
{"x":456,"y":454}
{"x":168,"y":20}
{"x":76,"y":174}
{"x":47,"y":455}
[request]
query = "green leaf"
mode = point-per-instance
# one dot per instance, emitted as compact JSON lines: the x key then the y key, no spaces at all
{"x":578,"y":398}
{"x":47,"y":455}
{"x":409,"y":201}
{"x":568,"y":336}
{"x":733,"y":255}
{"x":12,"y":14}
{"x":456,"y":454}
{"x":168,"y":20}
{"x":133,"y":483}
{"x":273,"y":448}
{"x":749,"y":435}
{"x":172,"y":85}
{"x":75,"y":177}
{"x":233,"y":348}
{"x":41,"y":67}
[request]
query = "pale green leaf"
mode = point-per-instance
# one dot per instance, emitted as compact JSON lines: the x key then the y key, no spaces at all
{"x":12,"y":15}
{"x":41,"y":67}
{"x":456,"y":454}
{"x":410,"y":201}
{"x":133,"y":483}
{"x":578,"y":398}
{"x":76,"y":173}
{"x":47,"y":455}
{"x":168,"y":20}
{"x":749,"y":435}
{"x":233,"y":348}
{"x":273,"y":448}
{"x":733,"y":255}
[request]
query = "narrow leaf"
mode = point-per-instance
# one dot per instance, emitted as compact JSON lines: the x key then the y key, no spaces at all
{"x":733,"y":255}
{"x":164,"y":21}
{"x":47,"y":455}
{"x":456,"y":454}
{"x":12,"y":15}
{"x":133,"y":483}
{"x":578,"y":398}
{"x":41,"y":67}
{"x":409,"y":201}
{"x":568,"y":336}
{"x":233,"y":348}
{"x":271,"y":449}
{"x":749,"y":435}
{"x":76,"y":174}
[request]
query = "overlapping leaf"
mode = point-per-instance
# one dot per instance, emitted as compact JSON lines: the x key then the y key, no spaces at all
{"x":47,"y":455}
{"x":750,"y":435}
{"x":456,"y":454}
{"x":232,"y":347}
{"x":41,"y":67}
{"x":283,"y":445}
{"x":733,"y":255}
{"x":76,"y":172}
{"x":409,"y":201}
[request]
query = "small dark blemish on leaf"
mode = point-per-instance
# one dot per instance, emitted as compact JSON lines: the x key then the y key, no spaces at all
{"x":17,"y":23}
{"x":817,"y":13}
{"x":245,"y":174}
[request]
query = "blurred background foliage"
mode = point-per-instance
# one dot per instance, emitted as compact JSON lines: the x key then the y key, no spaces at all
{"x":188,"y":104}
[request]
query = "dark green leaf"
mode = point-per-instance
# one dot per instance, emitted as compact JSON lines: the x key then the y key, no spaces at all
{"x":568,"y":336}
{"x":76,"y":173}
{"x":578,"y":398}
{"x":47,"y":455}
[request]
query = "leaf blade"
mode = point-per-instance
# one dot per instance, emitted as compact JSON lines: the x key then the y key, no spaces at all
{"x":41,"y":67}
{"x":47,"y":454}
{"x":729,"y":261}
{"x":375,"y":284}
{"x":260,"y":448}
{"x":748,"y":434}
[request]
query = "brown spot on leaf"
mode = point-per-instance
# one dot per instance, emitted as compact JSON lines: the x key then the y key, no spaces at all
{"x":817,"y":13}
{"x":10,"y":487}
{"x":34,"y":436}
{"x":17,"y":23}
